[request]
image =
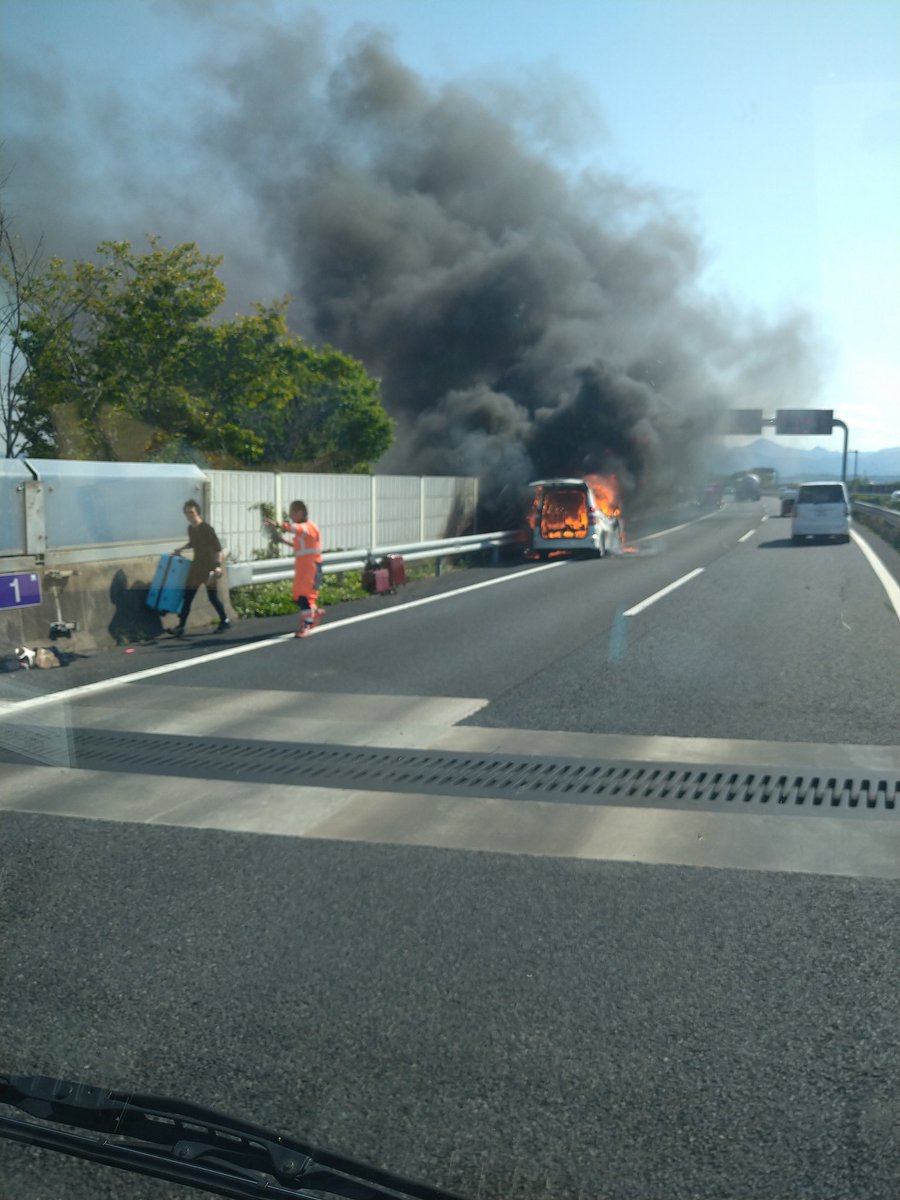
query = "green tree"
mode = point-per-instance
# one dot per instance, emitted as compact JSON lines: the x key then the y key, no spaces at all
{"x":322,"y":408}
{"x":18,"y":268}
{"x":124,"y":360}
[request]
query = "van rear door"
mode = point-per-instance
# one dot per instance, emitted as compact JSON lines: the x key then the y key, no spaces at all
{"x":821,"y":509}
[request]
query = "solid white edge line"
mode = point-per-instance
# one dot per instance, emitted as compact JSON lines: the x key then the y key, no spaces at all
{"x":87,"y":689}
{"x":630,"y":612}
{"x":9,"y":709}
{"x":886,"y":579}
{"x":749,"y":534}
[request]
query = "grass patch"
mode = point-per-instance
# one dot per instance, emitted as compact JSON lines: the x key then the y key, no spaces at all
{"x":277,"y":599}
{"x":878,"y":498}
{"x":878,"y":525}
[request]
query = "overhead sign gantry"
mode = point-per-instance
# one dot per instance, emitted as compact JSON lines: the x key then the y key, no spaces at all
{"x":789,"y":422}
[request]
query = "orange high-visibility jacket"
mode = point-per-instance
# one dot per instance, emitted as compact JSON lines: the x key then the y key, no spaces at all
{"x":307,"y":556}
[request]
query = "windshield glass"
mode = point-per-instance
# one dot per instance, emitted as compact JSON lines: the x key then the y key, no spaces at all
{"x":450,"y":586}
{"x":821,"y":493}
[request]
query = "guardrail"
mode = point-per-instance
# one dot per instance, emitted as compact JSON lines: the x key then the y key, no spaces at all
{"x":270,"y":570}
{"x":891,"y":515}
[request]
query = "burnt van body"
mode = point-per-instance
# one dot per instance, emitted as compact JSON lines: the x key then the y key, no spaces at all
{"x":565,"y":517}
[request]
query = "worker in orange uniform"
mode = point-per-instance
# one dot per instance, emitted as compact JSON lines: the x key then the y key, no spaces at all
{"x":306,"y":542}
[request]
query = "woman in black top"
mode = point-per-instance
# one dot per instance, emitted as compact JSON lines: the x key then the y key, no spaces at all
{"x":206,"y":567}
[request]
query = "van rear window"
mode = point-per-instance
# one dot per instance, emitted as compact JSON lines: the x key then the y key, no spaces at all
{"x":821,"y":493}
{"x":564,"y":514}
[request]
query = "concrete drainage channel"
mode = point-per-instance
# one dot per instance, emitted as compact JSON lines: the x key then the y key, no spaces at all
{"x":501,"y":776}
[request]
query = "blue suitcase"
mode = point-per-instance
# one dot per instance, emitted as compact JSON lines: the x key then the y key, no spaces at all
{"x":166,"y":594}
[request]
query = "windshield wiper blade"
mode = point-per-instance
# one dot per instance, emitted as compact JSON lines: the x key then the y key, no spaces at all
{"x":185,"y":1143}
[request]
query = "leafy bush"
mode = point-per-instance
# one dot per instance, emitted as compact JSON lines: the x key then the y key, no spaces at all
{"x":345,"y":586}
{"x":277,"y":599}
{"x":878,"y":525}
{"x":264,"y":599}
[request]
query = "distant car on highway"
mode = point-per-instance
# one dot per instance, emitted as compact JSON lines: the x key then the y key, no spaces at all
{"x":788,"y":497}
{"x":711,"y":496}
{"x":565,"y":516}
{"x":747,"y":487}
{"x":822,"y":510}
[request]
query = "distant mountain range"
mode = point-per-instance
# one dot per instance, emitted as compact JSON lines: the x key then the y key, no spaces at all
{"x":818,"y":463}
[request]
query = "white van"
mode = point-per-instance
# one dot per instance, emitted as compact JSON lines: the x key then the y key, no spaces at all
{"x":565,"y":517}
{"x":821,"y":510}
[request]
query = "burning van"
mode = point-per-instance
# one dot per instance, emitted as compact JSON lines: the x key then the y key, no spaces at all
{"x":573,"y":516}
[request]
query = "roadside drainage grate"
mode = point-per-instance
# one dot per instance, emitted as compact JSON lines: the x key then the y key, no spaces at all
{"x":501,"y":776}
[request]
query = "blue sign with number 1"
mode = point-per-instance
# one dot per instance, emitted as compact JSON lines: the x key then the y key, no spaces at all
{"x":19,"y":591}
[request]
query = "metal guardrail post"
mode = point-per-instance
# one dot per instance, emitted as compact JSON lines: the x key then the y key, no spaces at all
{"x":842,"y":425}
{"x":35,"y":517}
{"x":890,"y":515}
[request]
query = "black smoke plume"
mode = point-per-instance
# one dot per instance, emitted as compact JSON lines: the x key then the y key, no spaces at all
{"x":526,"y":317}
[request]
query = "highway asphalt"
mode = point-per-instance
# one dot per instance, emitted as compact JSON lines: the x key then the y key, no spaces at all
{"x":533,"y":1024}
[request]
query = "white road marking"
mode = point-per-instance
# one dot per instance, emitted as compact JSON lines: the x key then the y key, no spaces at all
{"x":647,"y":748}
{"x":86,"y":689}
{"x":885,"y":578}
{"x":201,"y":659}
{"x":350,"y":718}
{"x":630,"y":612}
{"x":749,"y":534}
{"x":756,"y":841}
{"x":675,"y":528}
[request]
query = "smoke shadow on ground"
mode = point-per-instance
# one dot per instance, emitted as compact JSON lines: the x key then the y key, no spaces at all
{"x":637,"y":551}
{"x":132,"y":620}
{"x":202,"y":640}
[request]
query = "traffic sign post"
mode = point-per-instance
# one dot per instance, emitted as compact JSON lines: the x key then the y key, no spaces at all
{"x":20,"y":590}
{"x":790,"y":422}
{"x":741,"y":422}
{"x":804,"y":422}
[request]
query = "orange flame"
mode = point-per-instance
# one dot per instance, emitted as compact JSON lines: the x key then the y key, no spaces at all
{"x":606,"y":493}
{"x":608,"y":498}
{"x":564,"y":515}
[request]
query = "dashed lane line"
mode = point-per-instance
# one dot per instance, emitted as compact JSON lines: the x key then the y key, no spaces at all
{"x":75,"y":693}
{"x":631,"y":612}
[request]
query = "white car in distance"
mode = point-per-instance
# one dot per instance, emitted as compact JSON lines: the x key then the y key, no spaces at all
{"x":821,"y":510}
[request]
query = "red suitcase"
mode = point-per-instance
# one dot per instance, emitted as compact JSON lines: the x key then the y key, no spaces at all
{"x":396,"y":569}
{"x":376,"y":580}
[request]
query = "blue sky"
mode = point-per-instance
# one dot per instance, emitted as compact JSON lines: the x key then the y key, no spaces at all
{"x":773,"y":128}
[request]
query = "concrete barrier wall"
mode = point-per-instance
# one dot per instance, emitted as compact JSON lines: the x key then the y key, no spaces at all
{"x":93,"y":533}
{"x":107,"y":600}
{"x":50,"y":505}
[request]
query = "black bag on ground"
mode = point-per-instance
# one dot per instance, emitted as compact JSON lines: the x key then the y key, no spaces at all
{"x":375,"y":578}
